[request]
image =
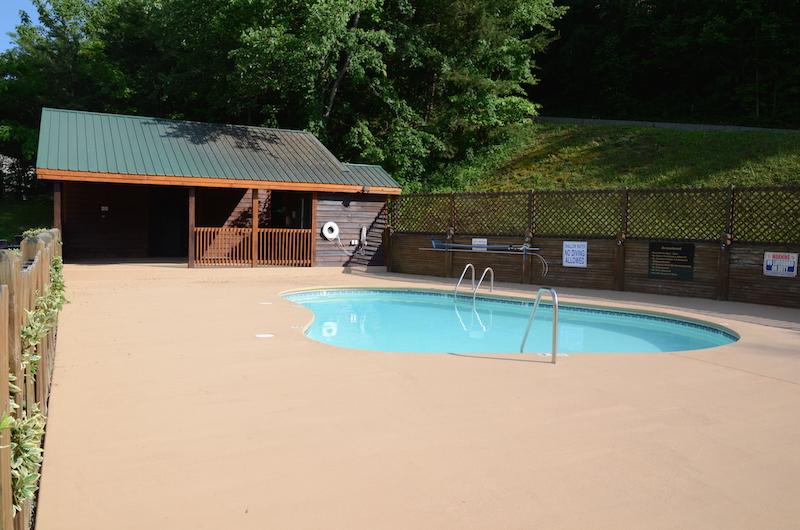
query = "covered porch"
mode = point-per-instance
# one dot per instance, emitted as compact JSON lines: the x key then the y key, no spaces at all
{"x":263,"y":227}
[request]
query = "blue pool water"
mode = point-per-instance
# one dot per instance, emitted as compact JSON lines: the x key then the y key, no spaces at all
{"x":426,"y":321}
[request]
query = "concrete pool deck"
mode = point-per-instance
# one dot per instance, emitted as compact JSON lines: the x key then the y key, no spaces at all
{"x":168,"y":412}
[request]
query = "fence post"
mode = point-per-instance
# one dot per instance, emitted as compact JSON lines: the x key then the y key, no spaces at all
{"x":192,"y":236}
{"x":725,"y":241}
{"x":10,"y":275}
{"x":619,"y":251}
{"x":6,"y":511}
{"x":254,"y":229}
{"x":526,"y":259}
{"x":448,"y":256}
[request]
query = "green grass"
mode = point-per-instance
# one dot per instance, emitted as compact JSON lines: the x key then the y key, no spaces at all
{"x":16,"y":216}
{"x":589,"y":156}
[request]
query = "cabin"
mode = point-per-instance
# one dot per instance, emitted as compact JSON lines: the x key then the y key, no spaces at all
{"x":217,"y":194}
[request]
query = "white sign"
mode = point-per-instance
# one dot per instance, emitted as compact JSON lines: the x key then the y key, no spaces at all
{"x":782,"y":264}
{"x":574,"y":254}
{"x":479,"y":243}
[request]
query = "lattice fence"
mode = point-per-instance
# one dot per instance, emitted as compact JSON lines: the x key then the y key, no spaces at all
{"x":577,"y":213}
{"x":754,"y":215}
{"x":503,"y":214}
{"x":696,"y":215}
{"x":421,"y":213}
{"x":767,"y":215}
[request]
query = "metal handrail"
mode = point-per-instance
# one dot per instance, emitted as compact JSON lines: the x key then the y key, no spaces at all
{"x":491,"y":283}
{"x":463,"y":273}
{"x":554,"y":297}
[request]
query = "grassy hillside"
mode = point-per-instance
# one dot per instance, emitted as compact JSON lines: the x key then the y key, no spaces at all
{"x":17,"y":216}
{"x":590,"y":156}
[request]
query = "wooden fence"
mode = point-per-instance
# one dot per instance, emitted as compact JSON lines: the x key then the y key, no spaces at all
{"x":22,"y":278}
{"x":726,"y":231}
{"x":233,"y":247}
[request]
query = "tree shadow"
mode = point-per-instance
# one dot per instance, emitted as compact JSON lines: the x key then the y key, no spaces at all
{"x":239,"y":136}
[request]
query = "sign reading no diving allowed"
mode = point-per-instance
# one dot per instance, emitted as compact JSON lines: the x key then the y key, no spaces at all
{"x":575,"y":254}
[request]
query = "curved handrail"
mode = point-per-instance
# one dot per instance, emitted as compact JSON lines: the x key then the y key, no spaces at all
{"x":491,"y":284}
{"x":463,"y":273}
{"x":545,"y":265}
{"x":554,"y":297}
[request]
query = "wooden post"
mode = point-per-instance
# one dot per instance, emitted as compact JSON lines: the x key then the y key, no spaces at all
{"x":726,"y":239}
{"x":314,"y":231}
{"x":387,"y":248}
{"x":191,"y":227}
{"x":526,"y":257}
{"x":254,"y":228}
{"x":9,"y":275}
{"x":451,"y":230}
{"x":57,"y":205}
{"x":6,"y":512}
{"x":619,"y":251}
{"x":387,"y":234}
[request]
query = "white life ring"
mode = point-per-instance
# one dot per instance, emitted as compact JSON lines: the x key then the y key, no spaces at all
{"x":330,"y":230}
{"x":329,"y":329}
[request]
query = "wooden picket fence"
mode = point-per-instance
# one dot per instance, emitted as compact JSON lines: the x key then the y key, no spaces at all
{"x":22,"y":278}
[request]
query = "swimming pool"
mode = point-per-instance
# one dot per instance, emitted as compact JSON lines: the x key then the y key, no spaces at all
{"x":436,"y":322}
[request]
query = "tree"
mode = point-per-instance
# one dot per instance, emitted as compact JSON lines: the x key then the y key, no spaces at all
{"x":408,"y":85}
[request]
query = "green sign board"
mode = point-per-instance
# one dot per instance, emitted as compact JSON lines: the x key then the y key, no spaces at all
{"x":671,"y":260}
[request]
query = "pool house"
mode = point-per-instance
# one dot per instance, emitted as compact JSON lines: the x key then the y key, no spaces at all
{"x":221,"y":195}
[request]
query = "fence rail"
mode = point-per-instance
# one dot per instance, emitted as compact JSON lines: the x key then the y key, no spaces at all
{"x":24,"y":276}
{"x":245,"y":247}
{"x":753,"y":215}
{"x":289,"y":247}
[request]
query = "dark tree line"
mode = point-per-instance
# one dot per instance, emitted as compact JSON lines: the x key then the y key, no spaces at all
{"x":724,"y":61}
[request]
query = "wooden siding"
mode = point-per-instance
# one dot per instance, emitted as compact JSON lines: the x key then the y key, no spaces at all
{"x":406,"y":258}
{"x":748,"y":284}
{"x":350,"y":212}
{"x":598,"y":274}
{"x":745,"y":282}
{"x":123,"y":232}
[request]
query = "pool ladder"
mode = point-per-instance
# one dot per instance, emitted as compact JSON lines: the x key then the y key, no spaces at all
{"x":470,"y":266}
{"x":554,"y":298}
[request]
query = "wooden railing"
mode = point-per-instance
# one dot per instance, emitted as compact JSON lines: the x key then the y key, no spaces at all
{"x":289,"y":247}
{"x":233,"y":247}
{"x":223,"y":247}
{"x":23,"y":278}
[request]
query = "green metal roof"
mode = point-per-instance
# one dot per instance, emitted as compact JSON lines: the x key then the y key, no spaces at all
{"x":372,"y":173}
{"x":134,"y":145}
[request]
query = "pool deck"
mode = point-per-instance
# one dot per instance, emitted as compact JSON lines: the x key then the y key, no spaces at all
{"x":168,"y":412}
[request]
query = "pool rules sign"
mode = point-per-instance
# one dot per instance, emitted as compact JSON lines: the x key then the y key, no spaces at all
{"x":781,"y":264}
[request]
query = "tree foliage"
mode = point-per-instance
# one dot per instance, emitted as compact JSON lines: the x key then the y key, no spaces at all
{"x":729,"y":61}
{"x":411,"y":85}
